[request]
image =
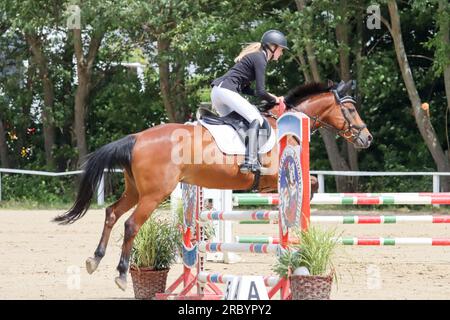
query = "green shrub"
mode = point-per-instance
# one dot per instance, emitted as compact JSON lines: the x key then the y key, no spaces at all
{"x":38,"y":189}
{"x":156,"y":244}
{"x":314,"y":251}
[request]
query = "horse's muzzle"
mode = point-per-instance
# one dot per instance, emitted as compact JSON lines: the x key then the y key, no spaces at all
{"x":363,"y":140}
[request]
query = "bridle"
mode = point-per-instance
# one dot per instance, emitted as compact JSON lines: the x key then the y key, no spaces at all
{"x":348,"y":131}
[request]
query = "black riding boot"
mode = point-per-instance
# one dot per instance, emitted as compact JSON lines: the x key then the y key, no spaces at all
{"x":251,"y":163}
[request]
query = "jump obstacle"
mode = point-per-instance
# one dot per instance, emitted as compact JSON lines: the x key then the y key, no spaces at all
{"x":411,"y":198}
{"x":353,"y":219}
{"x":294,"y":211}
{"x":260,"y":216}
{"x":405,"y":198}
{"x":206,"y":282}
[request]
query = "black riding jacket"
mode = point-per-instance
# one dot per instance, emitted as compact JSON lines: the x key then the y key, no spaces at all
{"x":239,"y":77}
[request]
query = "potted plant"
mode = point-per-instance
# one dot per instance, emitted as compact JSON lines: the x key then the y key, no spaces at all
{"x":154,"y":251}
{"x":309,"y":264}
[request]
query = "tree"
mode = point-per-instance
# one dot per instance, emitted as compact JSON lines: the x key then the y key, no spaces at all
{"x":420,"y":114}
{"x":164,"y":32}
{"x":35,"y":42}
{"x":85,"y":65}
{"x":99,"y":20}
{"x":443,"y":55}
{"x":335,"y":156}
{"x":34,"y":20}
{"x":15,"y":95}
{"x":3,"y":146}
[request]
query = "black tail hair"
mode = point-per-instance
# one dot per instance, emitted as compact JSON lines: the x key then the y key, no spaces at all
{"x":110,"y":156}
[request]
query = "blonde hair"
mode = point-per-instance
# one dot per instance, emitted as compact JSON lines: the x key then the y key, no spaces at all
{"x":252,"y":47}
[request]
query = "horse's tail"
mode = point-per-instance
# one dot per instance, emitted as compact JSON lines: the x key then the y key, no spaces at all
{"x":114,"y":154}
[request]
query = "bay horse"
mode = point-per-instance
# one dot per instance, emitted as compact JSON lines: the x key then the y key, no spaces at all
{"x":151,"y":174}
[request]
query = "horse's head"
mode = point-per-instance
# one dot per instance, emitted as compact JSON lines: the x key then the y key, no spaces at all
{"x":331,"y":107}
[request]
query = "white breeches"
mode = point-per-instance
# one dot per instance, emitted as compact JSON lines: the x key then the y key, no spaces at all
{"x":225,"y":101}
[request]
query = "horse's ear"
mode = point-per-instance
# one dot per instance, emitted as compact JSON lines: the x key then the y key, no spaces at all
{"x":353,"y":88}
{"x":340,"y":87}
{"x":330,"y":83}
{"x":347,"y":86}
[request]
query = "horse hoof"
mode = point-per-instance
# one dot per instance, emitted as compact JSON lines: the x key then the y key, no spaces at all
{"x":92,"y":264}
{"x":121,"y":283}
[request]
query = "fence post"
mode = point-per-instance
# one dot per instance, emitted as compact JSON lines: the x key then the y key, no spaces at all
{"x":101,"y":191}
{"x":321,"y":179}
{"x":436,"y":186}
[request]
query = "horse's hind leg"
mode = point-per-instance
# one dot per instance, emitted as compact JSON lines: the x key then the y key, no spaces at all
{"x":144,"y":209}
{"x":153,"y":189}
{"x":128,"y":200}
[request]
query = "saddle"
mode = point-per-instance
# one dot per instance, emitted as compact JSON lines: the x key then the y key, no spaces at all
{"x":230,"y":134}
{"x":237,"y":122}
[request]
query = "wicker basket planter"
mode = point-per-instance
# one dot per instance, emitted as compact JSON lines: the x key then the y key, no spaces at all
{"x":147,"y":282}
{"x":311,"y":287}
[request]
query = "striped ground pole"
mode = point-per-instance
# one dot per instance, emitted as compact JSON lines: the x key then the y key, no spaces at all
{"x":351,"y":199}
{"x":205,"y":277}
{"x":360,"y":241}
{"x":237,"y":247}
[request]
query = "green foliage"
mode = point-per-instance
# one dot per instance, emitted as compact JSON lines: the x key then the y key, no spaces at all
{"x":38,"y":189}
{"x":204,"y":37}
{"x":156,"y":244}
{"x":121,"y":108}
{"x":314,"y":251}
{"x":441,"y":15}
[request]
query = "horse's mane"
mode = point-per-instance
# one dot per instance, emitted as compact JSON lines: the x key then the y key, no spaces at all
{"x":300,"y":93}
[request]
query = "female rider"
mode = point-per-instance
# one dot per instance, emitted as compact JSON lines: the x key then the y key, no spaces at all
{"x":226,"y":92}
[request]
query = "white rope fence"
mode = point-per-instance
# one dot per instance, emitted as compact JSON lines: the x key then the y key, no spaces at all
{"x":320,"y":175}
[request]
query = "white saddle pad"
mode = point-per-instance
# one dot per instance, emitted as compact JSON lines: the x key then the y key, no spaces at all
{"x":228,"y":140}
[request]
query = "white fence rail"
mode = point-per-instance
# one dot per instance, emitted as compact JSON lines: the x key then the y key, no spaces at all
{"x":100,"y":189}
{"x":320,"y":175}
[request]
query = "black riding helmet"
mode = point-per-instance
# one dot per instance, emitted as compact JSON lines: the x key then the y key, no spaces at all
{"x":274,"y":37}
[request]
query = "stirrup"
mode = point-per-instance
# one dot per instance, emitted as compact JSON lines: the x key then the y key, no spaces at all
{"x":250,"y":167}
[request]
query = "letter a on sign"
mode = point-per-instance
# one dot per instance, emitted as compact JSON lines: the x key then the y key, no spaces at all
{"x":249,"y":288}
